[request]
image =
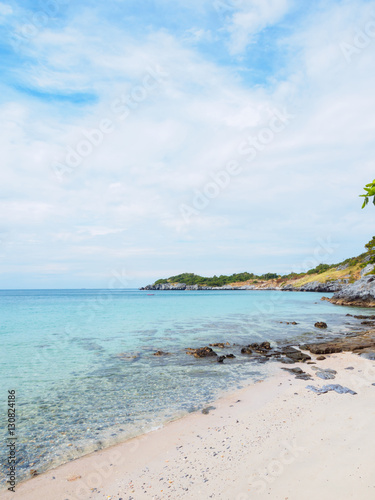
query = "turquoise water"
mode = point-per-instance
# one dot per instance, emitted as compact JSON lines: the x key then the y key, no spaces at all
{"x":82,"y":364}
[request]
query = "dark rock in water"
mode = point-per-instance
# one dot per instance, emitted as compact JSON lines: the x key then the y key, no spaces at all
{"x":264,"y":346}
{"x":220,"y":359}
{"x":368,"y":323}
{"x":287,"y":361}
{"x":246,"y":350}
{"x":34,"y":472}
{"x":204,"y":352}
{"x":311,"y":363}
{"x":331,"y":387}
{"x":295,"y":354}
{"x":262,"y":359}
{"x":201,"y":352}
{"x":320,"y":324}
{"x":207,"y":410}
{"x":231,"y":356}
{"x":220,"y":344}
{"x":161,"y":353}
{"x":326,"y":348}
{"x":321,"y":358}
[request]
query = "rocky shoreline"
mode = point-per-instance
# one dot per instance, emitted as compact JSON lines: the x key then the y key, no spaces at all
{"x":315,"y":286}
{"x":358,"y":294}
{"x":361,"y":343}
{"x":361,"y":293}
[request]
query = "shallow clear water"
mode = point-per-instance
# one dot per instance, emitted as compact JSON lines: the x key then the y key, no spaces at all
{"x":82,"y":364}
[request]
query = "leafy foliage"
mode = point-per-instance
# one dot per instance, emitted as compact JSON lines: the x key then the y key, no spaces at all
{"x":371,"y":245}
{"x":195,"y":279}
{"x":370,"y":193}
{"x":321,"y":268}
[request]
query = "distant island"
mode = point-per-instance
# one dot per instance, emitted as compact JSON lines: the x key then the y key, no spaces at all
{"x":324,"y":278}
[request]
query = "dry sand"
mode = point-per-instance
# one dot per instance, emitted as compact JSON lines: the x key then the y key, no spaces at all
{"x":274,"y":439}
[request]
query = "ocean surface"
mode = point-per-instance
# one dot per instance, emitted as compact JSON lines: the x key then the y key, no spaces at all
{"x":82,"y":364}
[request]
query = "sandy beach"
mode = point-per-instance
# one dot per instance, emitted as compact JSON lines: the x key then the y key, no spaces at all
{"x":273,"y":439}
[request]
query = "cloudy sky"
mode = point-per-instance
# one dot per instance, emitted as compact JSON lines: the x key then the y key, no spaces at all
{"x":142,"y":139}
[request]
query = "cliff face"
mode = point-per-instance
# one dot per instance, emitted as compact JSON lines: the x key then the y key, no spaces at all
{"x":360,"y":294}
{"x":316,"y":286}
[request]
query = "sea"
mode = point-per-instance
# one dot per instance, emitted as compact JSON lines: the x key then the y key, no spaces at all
{"x":82,"y":364}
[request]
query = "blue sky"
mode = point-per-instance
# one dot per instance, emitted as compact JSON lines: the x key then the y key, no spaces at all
{"x":145,"y":139}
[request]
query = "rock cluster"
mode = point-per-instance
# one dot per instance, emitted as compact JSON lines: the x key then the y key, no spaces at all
{"x":359,"y":294}
{"x":316,"y":286}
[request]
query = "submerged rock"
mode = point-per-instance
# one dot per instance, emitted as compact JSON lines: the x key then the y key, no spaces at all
{"x":220,"y":359}
{"x":204,"y":352}
{"x":320,"y":324}
{"x":287,"y":361}
{"x":246,"y":350}
{"x":161,"y":353}
{"x":220,"y":344}
{"x":200,"y":352}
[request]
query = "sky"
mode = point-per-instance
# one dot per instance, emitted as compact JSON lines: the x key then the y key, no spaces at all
{"x":143,"y":139}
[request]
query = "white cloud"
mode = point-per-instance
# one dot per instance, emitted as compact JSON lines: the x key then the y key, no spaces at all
{"x":252,"y":17}
{"x":121,"y":205}
{"x":5,"y":9}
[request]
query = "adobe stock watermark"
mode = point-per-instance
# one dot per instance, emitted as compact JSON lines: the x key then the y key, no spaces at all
{"x":248,"y":150}
{"x":324,"y":249}
{"x":121,"y":108}
{"x":35,"y":22}
{"x":103,"y":467}
{"x":87,"y":311}
{"x":362,"y":39}
{"x":276,"y":467}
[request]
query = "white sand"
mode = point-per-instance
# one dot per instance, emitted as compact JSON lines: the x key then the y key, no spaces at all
{"x":280,"y":441}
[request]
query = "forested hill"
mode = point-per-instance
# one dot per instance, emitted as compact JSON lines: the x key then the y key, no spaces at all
{"x":348,"y":271}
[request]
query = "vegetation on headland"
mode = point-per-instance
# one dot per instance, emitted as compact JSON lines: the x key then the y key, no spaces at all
{"x":195,"y":279}
{"x":349,"y":269}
